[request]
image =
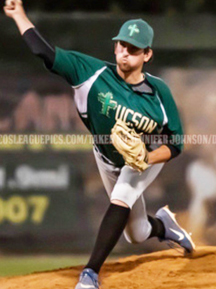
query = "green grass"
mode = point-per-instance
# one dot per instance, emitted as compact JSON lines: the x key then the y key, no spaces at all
{"x":18,"y":265}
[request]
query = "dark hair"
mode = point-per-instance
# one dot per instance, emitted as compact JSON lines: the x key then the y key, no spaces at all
{"x":146,"y":50}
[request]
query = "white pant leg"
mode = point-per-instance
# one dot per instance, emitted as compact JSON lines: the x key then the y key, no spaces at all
{"x":109,"y":173}
{"x":128,"y":185}
{"x":138,"y":227}
{"x":129,"y":189}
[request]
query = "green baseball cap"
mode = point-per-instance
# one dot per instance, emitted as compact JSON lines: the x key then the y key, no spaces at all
{"x":136,"y":32}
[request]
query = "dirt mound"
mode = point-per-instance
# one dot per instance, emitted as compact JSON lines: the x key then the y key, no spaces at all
{"x":165,"y":269}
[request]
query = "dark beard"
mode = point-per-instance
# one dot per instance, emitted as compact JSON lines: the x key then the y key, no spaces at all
{"x":124,"y":67}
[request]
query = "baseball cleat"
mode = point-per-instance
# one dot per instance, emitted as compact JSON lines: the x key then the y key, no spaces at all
{"x":88,"y":280}
{"x":173,"y":232}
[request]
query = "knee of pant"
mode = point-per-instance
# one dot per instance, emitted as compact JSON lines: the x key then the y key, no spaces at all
{"x":136,"y":238}
{"x":126,"y":196}
{"x":131,"y":240}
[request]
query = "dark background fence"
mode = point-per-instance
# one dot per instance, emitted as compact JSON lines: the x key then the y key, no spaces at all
{"x":154,"y":7}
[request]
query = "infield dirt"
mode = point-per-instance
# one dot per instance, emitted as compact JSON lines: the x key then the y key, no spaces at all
{"x":160,"y":270}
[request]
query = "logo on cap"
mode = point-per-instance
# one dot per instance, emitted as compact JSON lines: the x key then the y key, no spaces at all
{"x":133,"y":29}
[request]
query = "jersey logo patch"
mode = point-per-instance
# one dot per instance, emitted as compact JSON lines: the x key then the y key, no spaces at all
{"x":107,"y":102}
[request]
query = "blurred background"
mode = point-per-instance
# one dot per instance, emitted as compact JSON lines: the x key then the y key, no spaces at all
{"x":51,"y":196}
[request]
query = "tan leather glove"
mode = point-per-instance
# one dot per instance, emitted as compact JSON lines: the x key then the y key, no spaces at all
{"x":129,"y":144}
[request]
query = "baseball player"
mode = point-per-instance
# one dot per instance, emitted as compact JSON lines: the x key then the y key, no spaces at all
{"x":122,"y":101}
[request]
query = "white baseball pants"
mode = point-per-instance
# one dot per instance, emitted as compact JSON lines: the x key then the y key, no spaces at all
{"x":128,"y":186}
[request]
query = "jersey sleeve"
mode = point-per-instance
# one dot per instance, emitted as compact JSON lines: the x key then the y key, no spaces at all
{"x":173,"y":129}
{"x":75,"y":67}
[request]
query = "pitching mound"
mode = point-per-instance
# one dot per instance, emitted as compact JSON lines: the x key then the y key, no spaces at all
{"x":166,"y":269}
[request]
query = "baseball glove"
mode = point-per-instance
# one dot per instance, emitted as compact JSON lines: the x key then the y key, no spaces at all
{"x":129,"y":144}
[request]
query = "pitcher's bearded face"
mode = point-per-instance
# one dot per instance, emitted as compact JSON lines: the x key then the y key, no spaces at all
{"x":129,"y":57}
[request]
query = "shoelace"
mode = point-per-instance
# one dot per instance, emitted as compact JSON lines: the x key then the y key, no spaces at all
{"x":175,"y":246}
{"x":178,"y":248}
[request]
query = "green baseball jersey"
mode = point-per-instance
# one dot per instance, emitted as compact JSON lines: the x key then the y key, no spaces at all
{"x":102,"y":97}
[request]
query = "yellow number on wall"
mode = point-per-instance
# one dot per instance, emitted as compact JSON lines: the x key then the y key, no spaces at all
{"x":16,"y":209}
{"x":19,"y":209}
{"x":40,"y":205}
